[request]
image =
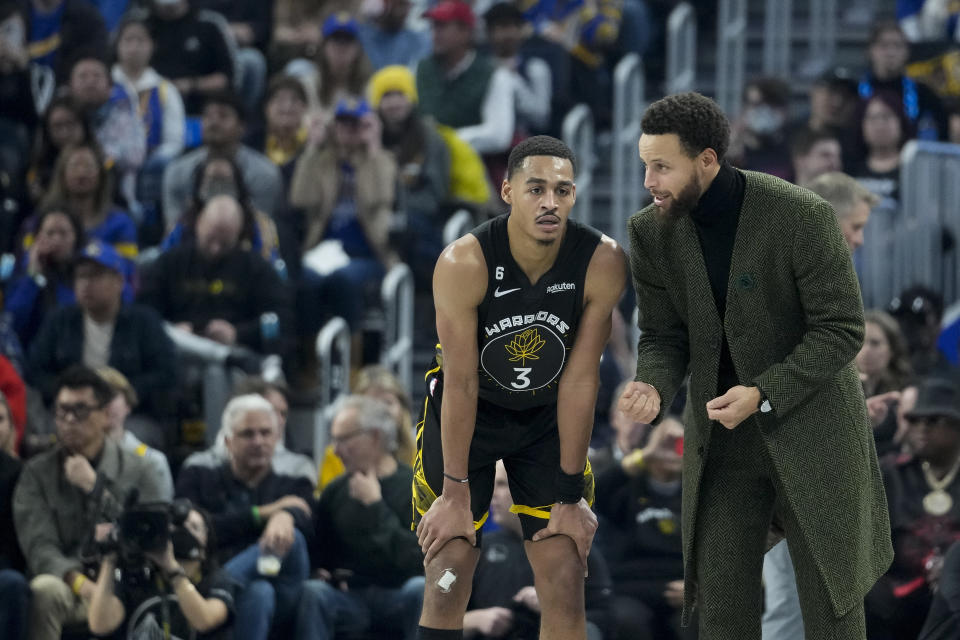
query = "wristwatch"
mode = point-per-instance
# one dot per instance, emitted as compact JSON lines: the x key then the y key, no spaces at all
{"x":764,"y":405}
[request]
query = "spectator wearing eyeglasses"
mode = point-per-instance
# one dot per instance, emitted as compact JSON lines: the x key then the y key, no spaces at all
{"x":64,"y":493}
{"x":369,"y":560}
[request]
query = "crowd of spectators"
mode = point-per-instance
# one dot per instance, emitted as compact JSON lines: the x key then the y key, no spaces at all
{"x":192,"y":188}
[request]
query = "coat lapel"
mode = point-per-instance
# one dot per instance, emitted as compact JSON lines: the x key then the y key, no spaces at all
{"x":701,"y":307}
{"x":742,"y":278}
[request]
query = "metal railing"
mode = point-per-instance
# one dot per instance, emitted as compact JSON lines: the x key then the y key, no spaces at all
{"x":396,"y":292}
{"x":929,"y":193}
{"x":822,"y":43}
{"x":875,"y":261}
{"x":681,"y":49}
{"x":629,"y":101}
{"x":333,"y":364}
{"x":578,"y":133}
{"x":731,"y":54}
{"x":457,"y":226}
{"x":776,"y":38}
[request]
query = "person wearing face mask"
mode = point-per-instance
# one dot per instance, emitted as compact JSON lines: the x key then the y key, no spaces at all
{"x":758,"y":141}
{"x":188,"y":597}
{"x":220,"y":176}
{"x":224,"y":126}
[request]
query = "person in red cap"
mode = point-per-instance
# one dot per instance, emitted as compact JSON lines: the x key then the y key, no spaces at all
{"x":462,"y":87}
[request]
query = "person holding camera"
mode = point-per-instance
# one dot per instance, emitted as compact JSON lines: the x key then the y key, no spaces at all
{"x":64,"y":493}
{"x":184,"y":590}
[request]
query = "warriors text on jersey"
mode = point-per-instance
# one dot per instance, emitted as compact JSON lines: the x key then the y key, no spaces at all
{"x":525,"y":331}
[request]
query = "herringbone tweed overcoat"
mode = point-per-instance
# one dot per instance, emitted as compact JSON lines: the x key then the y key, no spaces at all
{"x":794,"y":323}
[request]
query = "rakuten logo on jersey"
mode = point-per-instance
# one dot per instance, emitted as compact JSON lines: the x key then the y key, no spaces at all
{"x":561,"y":286}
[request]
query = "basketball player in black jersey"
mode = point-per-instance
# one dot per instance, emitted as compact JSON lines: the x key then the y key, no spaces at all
{"x":524,"y":308}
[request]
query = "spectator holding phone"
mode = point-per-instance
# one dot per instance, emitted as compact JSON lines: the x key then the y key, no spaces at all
{"x":638,"y":502}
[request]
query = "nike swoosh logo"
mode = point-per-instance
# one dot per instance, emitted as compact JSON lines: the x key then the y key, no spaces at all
{"x":497,"y":293}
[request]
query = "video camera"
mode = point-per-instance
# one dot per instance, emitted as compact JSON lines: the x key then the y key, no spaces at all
{"x":144,"y":528}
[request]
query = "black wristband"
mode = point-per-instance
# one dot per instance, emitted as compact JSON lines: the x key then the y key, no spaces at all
{"x":569,"y":487}
{"x":455,"y":478}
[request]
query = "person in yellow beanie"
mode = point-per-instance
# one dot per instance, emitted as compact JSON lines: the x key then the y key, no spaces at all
{"x":468,"y":185}
{"x":423,"y":166}
{"x":423,"y":161}
{"x":432,"y":185}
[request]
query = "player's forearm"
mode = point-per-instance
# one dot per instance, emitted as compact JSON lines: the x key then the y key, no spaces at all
{"x":575,"y":407}
{"x":458,"y":419}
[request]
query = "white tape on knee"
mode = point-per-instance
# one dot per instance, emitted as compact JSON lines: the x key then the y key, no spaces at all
{"x":446,"y":581}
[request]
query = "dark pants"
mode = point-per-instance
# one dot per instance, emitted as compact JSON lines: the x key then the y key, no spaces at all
{"x":326,"y":612}
{"x":261,"y":601}
{"x":14,"y":604}
{"x":739,"y":495}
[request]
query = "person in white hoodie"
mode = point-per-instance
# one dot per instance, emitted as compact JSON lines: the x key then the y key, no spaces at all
{"x":155,"y":100}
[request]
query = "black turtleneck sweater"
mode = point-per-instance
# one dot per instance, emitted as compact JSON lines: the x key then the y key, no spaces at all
{"x":715,"y":219}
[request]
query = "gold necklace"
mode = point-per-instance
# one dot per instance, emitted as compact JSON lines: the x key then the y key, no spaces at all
{"x":938,"y":502}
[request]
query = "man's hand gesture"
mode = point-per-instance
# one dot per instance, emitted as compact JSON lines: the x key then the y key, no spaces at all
{"x":734,"y":406}
{"x":365,"y":487}
{"x":640,"y":402}
{"x":576,"y":521}
{"x":80,"y":473}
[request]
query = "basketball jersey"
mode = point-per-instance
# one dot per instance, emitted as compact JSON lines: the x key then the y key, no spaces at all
{"x":525,"y":331}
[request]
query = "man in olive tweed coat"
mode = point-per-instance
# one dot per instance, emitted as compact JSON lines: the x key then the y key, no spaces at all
{"x":744,"y":282}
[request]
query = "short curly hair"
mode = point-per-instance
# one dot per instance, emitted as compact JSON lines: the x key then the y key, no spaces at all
{"x":697,"y":120}
{"x":539,"y":146}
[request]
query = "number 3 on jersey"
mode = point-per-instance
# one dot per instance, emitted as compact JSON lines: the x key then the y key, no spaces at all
{"x":522,"y":381}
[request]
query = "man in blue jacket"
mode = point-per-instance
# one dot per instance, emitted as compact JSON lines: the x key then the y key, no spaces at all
{"x":100,"y":330}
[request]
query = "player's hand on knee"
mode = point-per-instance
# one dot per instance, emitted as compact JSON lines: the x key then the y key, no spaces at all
{"x":576,"y":521}
{"x":640,"y":402}
{"x":445,"y":520}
